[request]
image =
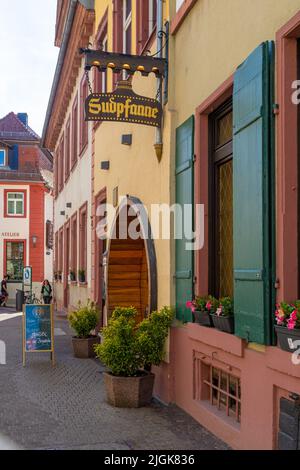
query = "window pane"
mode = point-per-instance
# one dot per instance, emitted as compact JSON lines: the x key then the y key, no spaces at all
{"x":225,"y":129}
{"x":226,"y":229}
{"x":2,"y":157}
{"x":19,"y":207}
{"x":128,"y":40}
{"x":14,"y":260}
{"x":11,"y":208}
{"x":128,"y":8}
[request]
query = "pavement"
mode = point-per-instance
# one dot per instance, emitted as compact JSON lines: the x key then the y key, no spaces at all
{"x":64,"y":407}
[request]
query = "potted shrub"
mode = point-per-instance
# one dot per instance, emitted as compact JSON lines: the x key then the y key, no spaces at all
{"x":223,"y":315}
{"x":287,"y":318}
{"x":84,"y":320}
{"x":72,"y":276}
{"x":81,"y":275}
{"x":201,"y":307}
{"x":128,"y":350}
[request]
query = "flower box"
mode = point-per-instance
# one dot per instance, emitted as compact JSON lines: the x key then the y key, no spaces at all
{"x":287,"y":338}
{"x":223,"y":323}
{"x":203,"y":318}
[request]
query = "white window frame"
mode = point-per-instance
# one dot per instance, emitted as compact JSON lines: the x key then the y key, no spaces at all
{"x":127,"y":22}
{"x":15,"y":203}
{"x":5,"y":157}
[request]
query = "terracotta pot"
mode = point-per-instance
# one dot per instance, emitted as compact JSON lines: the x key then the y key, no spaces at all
{"x":202,"y":317}
{"x":129,"y":392}
{"x":225,"y":324}
{"x":287,"y":338}
{"x":84,"y":347}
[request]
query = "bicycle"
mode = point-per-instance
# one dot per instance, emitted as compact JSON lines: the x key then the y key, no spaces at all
{"x":31,"y":299}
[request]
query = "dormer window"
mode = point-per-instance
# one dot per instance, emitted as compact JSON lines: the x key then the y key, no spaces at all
{"x":3,"y":158}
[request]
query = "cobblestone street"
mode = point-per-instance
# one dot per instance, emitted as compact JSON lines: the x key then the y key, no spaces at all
{"x":64,"y":407}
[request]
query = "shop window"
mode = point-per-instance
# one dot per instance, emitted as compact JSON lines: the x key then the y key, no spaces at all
{"x":84,"y":91}
{"x":74,"y":133}
{"x":3,"y":158}
{"x":222,"y":203}
{"x":15,"y":203}
{"x":14,"y":259}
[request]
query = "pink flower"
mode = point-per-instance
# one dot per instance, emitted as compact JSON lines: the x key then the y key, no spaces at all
{"x":219,"y":311}
{"x":291,"y":324}
{"x":191,"y":305}
{"x":293,"y":316}
{"x":208,"y":305}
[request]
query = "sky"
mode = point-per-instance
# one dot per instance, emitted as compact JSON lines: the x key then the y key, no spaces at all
{"x":27,"y":58}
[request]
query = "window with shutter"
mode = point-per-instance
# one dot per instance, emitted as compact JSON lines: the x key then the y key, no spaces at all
{"x":184,"y":196}
{"x":253,"y":187}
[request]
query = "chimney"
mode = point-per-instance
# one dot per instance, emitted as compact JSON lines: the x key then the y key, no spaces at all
{"x":23,"y":118}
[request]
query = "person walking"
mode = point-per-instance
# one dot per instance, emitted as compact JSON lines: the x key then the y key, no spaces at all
{"x":46,"y":292}
{"x":4,"y":291}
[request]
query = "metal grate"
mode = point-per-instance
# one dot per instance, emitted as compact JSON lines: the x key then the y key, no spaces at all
{"x":224,"y":392}
{"x":226,"y":229}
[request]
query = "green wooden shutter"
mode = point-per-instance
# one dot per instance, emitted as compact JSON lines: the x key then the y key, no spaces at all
{"x":252,"y":155}
{"x":184,"y":195}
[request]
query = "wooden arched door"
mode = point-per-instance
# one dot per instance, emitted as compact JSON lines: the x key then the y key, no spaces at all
{"x":131,"y":262}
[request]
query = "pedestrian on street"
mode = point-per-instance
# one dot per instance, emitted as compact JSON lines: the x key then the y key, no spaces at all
{"x":4,"y":291}
{"x":46,"y":292}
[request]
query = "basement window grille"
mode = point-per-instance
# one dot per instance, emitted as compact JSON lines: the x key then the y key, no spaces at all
{"x":224,"y":391}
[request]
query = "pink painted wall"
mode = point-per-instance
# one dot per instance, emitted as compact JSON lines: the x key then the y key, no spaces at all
{"x":265,"y":377}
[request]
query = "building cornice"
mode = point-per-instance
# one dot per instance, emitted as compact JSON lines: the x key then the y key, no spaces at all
{"x":69,"y":63}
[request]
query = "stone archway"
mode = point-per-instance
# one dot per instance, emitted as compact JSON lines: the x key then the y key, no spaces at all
{"x":131,"y":263}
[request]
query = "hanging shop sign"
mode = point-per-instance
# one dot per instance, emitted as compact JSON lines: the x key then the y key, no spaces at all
{"x":123,"y":105}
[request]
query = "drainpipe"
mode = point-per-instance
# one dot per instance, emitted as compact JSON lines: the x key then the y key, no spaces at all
{"x":159,"y":21}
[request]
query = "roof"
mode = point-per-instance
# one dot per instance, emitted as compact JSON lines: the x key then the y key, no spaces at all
{"x":13,"y":129}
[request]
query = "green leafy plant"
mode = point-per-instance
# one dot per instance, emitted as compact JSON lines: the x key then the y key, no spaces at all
{"x":225,"y":308}
{"x":128,"y":347}
{"x":84,"y":319}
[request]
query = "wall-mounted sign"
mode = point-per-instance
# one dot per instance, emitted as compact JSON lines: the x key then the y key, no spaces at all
{"x":10,"y":234}
{"x":27,"y":277}
{"x":123,"y":105}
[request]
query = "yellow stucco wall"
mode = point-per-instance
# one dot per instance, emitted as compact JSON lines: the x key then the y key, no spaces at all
{"x":215,"y":37}
{"x":135,"y":169}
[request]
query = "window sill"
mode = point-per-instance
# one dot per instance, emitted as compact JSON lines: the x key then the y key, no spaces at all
{"x":216,"y":338}
{"x":82,"y":284}
{"x":181,"y":15}
{"x":73,"y":283}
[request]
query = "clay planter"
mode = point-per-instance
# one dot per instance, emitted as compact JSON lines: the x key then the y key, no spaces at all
{"x":225,"y":324}
{"x":203,"y":318}
{"x":129,"y":392}
{"x":84,"y":347}
{"x":286,"y":338}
